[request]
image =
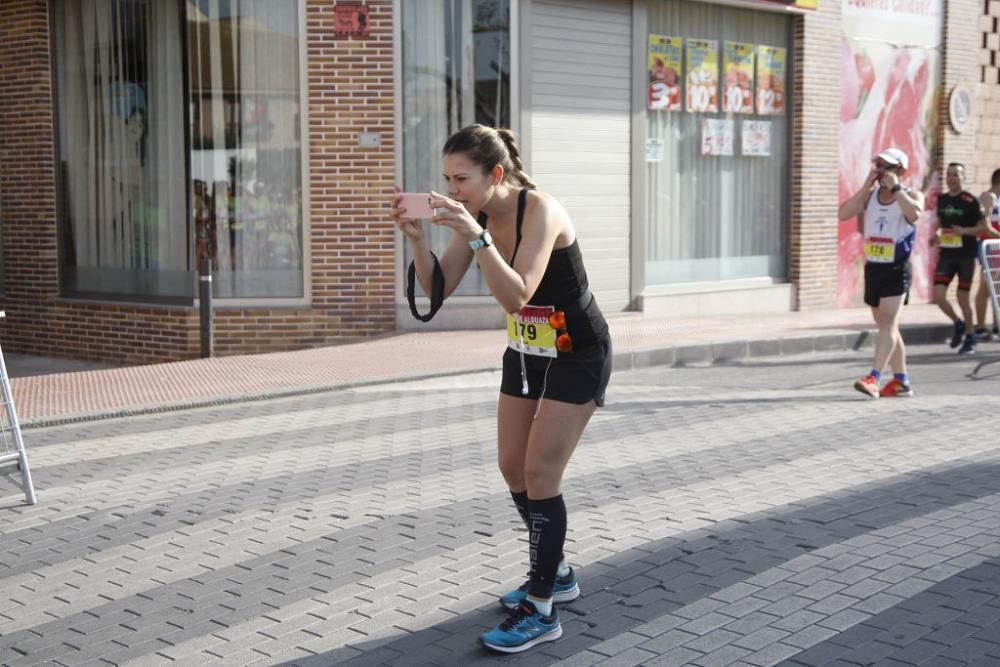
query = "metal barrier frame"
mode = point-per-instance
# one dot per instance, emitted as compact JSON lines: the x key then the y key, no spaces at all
{"x":18,"y":455}
{"x":989,"y":258}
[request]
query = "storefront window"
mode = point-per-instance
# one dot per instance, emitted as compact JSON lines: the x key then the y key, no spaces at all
{"x":121,"y":143}
{"x":139,"y":144}
{"x":456,"y":71}
{"x":716,"y":179}
{"x":243,"y":56}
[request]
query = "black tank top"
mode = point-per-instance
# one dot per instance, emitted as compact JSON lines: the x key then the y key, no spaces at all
{"x":564,"y":285}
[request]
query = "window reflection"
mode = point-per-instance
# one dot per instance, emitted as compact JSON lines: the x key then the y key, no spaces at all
{"x":121,"y":123}
{"x":456,"y":71}
{"x":245,"y":145}
{"x":138,"y":209}
{"x":719,"y":216}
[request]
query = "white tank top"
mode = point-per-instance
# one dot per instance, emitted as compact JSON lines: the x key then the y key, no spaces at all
{"x":888,"y":236}
{"x":994,"y":220}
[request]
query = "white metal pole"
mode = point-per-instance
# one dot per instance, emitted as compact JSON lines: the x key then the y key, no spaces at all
{"x":22,"y":457}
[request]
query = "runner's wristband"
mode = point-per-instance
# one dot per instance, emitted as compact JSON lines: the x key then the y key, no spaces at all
{"x":437,"y":290}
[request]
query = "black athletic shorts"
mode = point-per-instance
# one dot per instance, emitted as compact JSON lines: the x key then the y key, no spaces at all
{"x":576,"y":378}
{"x":949,"y":267}
{"x":885,"y":280}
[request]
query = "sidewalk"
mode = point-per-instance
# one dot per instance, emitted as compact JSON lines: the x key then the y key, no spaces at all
{"x":638,"y":341}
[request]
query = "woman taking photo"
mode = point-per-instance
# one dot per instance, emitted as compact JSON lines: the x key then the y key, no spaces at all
{"x":558,"y":359}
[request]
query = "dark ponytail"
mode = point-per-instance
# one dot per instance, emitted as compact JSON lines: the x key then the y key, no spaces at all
{"x":517,"y":170}
{"x":489,"y":147}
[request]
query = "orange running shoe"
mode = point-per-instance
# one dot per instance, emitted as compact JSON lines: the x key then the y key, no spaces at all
{"x":896,"y":389}
{"x":868,"y":385}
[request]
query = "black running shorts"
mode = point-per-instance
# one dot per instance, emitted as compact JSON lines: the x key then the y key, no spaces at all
{"x":576,"y":378}
{"x":949,"y":267}
{"x":885,"y":280}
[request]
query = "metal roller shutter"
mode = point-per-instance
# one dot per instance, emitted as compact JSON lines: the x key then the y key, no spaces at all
{"x":577,"y":64}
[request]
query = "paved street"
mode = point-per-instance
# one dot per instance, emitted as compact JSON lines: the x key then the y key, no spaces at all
{"x":755,"y":513}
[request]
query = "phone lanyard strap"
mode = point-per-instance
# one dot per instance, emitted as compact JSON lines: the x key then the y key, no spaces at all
{"x":437,"y":290}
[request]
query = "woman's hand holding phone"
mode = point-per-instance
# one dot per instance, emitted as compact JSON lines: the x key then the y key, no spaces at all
{"x":453,"y":215}
{"x":417,"y":205}
{"x":407,"y":212}
{"x":409,"y":209}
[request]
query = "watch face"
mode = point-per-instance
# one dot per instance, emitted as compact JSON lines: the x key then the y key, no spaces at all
{"x":485,"y":239}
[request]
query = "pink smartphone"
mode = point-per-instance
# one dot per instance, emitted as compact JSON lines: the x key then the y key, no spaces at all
{"x":417,"y":205}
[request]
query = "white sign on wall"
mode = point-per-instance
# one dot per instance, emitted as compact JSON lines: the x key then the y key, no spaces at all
{"x":717,"y":136}
{"x":756,"y":138}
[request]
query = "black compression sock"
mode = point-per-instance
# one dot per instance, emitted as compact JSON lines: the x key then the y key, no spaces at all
{"x":546,"y":537}
{"x":521,"y":503}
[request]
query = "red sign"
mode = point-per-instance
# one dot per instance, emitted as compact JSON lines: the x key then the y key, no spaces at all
{"x":350,"y":19}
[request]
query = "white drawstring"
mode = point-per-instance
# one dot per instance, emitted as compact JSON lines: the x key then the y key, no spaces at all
{"x":545,"y":383}
{"x":524,"y":371}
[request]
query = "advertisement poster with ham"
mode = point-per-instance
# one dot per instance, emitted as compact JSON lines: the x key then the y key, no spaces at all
{"x":737,"y":63}
{"x":890,"y":75}
{"x":665,"y":72}
{"x":770,"y":80}
{"x":702,"y":75}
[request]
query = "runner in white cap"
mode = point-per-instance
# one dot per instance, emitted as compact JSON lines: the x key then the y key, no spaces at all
{"x":886,"y":213}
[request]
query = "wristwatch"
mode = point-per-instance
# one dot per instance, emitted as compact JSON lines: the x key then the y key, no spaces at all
{"x":484,"y":241}
{"x":896,"y":188}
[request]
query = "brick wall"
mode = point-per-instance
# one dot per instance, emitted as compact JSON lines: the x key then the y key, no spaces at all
{"x":963,"y":39}
{"x":986,"y":152}
{"x":123,"y":333}
{"x":27,"y":184}
{"x":815,"y":133}
{"x":352,"y":242}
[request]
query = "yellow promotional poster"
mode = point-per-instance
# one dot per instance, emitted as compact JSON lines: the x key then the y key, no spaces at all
{"x":737,"y":88}
{"x":770,"y":80}
{"x":702,"y":75}
{"x":665,"y":72}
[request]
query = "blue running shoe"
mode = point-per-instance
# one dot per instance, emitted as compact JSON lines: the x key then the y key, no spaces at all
{"x":523,"y":629}
{"x":564,"y":590}
{"x":957,"y":335}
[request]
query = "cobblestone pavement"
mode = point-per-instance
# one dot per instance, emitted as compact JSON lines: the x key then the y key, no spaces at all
{"x":756,"y":513}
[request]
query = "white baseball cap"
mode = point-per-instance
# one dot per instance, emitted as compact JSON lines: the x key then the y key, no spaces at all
{"x":894,"y":156}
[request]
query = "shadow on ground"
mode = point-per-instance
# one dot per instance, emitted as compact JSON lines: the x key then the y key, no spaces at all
{"x":637,"y":586}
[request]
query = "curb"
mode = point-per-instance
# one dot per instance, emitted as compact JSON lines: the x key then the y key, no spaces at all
{"x":216,"y":401}
{"x":712,"y":353}
{"x":675,"y":355}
